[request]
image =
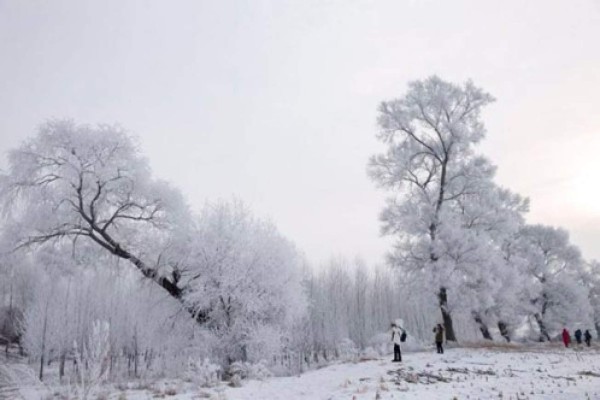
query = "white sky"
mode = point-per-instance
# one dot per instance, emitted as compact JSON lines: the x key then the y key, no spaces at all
{"x":275,"y":102}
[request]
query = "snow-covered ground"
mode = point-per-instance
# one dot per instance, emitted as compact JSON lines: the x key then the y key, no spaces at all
{"x":548,"y":372}
{"x":475,"y":373}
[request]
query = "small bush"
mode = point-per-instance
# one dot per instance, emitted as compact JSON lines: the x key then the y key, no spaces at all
{"x":246,"y":370}
{"x":171,"y":391}
{"x":203,"y":372}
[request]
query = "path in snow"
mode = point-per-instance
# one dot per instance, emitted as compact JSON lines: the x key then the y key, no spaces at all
{"x":545,"y":373}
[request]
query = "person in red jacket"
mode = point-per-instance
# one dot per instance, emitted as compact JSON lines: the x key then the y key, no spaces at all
{"x":566,"y":337}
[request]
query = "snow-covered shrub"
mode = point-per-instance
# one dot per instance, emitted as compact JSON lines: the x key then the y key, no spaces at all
{"x":347,"y":350}
{"x":246,"y":370}
{"x":203,"y":372}
{"x":369,"y":353}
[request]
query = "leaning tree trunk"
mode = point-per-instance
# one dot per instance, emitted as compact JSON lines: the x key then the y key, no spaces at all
{"x":446,"y":316}
{"x":482,"y":326}
{"x":503,"y":328}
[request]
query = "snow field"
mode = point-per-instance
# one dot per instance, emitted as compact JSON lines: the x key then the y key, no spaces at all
{"x":548,"y":372}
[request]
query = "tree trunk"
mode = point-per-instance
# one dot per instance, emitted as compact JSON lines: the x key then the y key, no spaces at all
{"x":41,"y":372}
{"x":45,"y":327}
{"x":448,"y":326}
{"x":482,"y":326}
{"x":61,"y":367}
{"x":135,"y":355}
{"x":503,"y":327}
{"x":543,"y":330}
{"x":244,"y":353}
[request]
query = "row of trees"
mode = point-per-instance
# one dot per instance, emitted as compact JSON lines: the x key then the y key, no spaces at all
{"x":461,"y":237}
{"x":353,"y":304}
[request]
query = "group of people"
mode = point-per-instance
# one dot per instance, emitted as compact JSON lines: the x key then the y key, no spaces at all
{"x":399,"y":336}
{"x":579,"y":337}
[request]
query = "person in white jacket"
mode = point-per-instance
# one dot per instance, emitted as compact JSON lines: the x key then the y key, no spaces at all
{"x":396,"y":339}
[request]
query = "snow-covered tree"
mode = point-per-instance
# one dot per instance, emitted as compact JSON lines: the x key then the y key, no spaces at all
{"x":247,"y":275}
{"x":590,"y":278}
{"x":93,"y":359}
{"x":488,"y":218}
{"x":91,"y":183}
{"x":41,"y":326}
{"x":552,"y":267}
{"x":430,"y":166}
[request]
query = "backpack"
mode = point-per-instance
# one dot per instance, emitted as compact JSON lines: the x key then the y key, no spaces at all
{"x":403,"y":336}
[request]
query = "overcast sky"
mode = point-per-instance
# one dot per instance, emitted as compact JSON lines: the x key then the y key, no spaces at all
{"x":275,"y":102}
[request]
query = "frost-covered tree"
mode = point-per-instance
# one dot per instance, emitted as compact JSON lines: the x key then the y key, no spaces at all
{"x":359,"y":332}
{"x":249,"y":277}
{"x":42,"y":329}
{"x":590,"y":278}
{"x":430,"y":166}
{"x":488,"y":218}
{"x":93,"y":359}
{"x":552,"y":267}
{"x":91,"y":184}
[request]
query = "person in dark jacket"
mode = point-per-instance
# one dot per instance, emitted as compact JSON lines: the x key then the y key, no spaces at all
{"x":566,"y":337}
{"x":439,"y":338}
{"x":588,"y":337}
{"x":578,"y":335}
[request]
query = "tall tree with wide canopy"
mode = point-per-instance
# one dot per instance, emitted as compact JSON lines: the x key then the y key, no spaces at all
{"x":90,"y":183}
{"x":429,"y":165}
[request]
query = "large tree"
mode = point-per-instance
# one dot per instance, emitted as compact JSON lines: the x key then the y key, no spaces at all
{"x":248,"y":275}
{"x":488,"y":219}
{"x":430,"y":166}
{"x":91,"y":183}
{"x":553,"y":267}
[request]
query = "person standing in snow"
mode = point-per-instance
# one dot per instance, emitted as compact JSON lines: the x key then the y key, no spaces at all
{"x":578,"y":335}
{"x":588,"y":337}
{"x":397,"y":333}
{"x":566,"y":337}
{"x":439,"y":338}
